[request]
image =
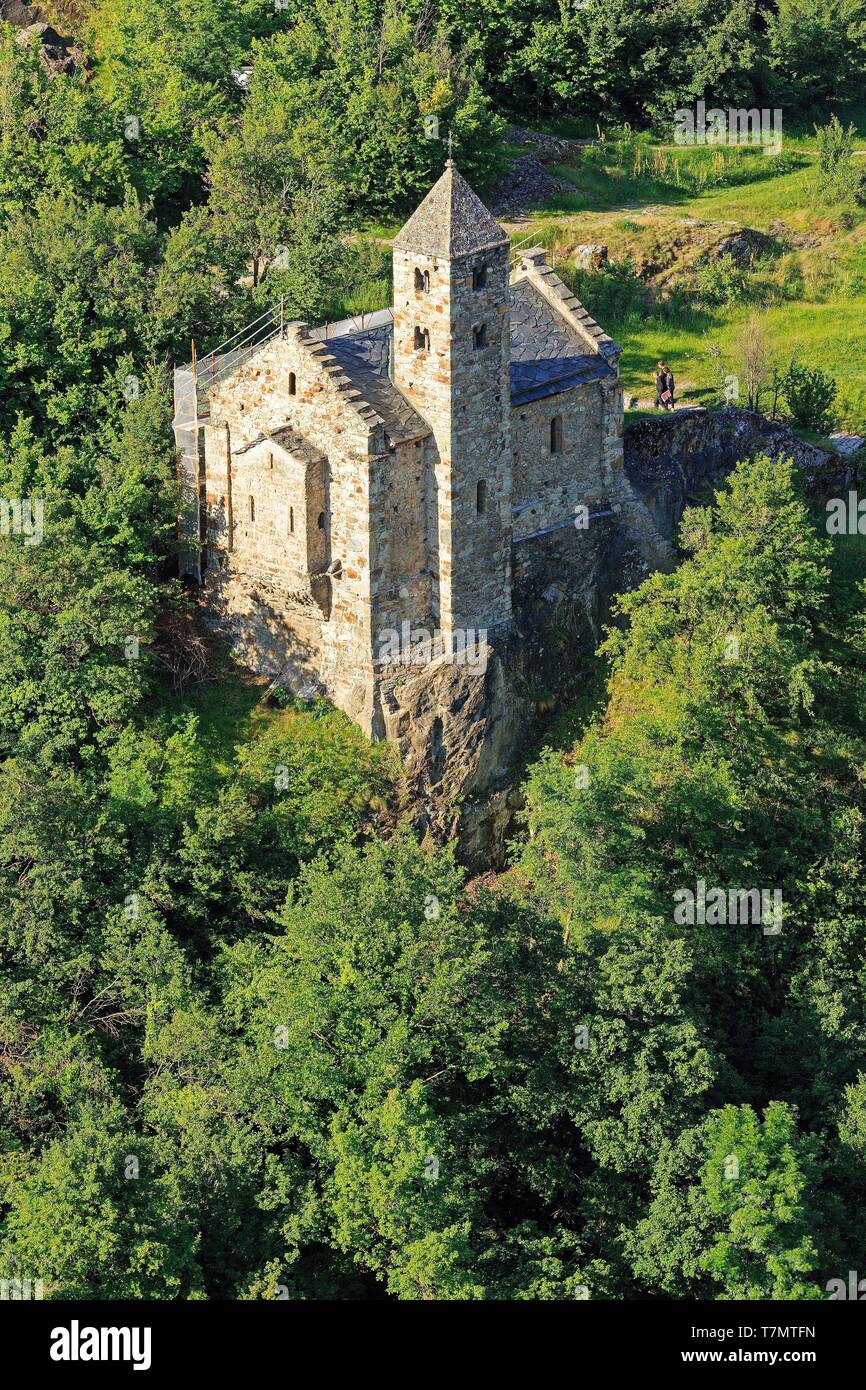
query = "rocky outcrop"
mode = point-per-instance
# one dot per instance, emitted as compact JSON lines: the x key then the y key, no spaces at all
{"x":457,"y":727}
{"x":526,"y":184}
{"x":60,"y":57}
{"x":677,"y":460}
{"x":590,"y":256}
{"x":461,"y":732}
{"x":744,"y":247}
{"x":15,"y":12}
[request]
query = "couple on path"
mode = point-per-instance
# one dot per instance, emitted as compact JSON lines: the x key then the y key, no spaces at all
{"x":664,"y":387}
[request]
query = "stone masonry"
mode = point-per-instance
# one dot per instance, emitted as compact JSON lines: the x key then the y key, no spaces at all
{"x":358,"y":487}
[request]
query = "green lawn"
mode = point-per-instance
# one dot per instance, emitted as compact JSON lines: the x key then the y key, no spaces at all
{"x":651,"y":206}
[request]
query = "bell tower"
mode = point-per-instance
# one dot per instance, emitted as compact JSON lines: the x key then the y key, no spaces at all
{"x":451,"y":360}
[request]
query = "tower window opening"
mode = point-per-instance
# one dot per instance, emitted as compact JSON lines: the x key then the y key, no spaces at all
{"x":479,"y":278}
{"x":422,"y":339}
{"x":422,"y":280}
{"x":321,"y":522}
{"x":481,"y":497}
{"x":293,"y":384}
{"x":479,"y":337}
{"x":252,"y":509}
{"x":556,"y":435}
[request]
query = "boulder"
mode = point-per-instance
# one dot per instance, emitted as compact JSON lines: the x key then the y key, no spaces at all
{"x":525,"y":184}
{"x":744,"y":247}
{"x":60,"y":56}
{"x":591,"y":256}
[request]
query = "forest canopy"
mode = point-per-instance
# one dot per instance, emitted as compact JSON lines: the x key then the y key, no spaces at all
{"x":259,"y":1038}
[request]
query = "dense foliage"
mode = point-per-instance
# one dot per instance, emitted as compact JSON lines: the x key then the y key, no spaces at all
{"x":257,"y":1041}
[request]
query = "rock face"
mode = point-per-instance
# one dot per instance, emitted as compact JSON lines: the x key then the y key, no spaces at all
{"x":457,"y":729}
{"x":592,"y":256}
{"x":460,"y":732}
{"x":18,"y":14}
{"x":677,"y":460}
{"x":744,"y":247}
{"x":526,"y":184}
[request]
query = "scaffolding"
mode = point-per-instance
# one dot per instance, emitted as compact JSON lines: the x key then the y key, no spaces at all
{"x":193,"y":386}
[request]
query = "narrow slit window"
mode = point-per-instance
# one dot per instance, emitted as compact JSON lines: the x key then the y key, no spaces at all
{"x":481,"y":497}
{"x":479,"y":337}
{"x":422,"y":339}
{"x":479,"y":277}
{"x":270,"y":460}
{"x":252,"y":509}
{"x":321,"y":521}
{"x":556,"y":435}
{"x":291,"y":521}
{"x":293,"y":384}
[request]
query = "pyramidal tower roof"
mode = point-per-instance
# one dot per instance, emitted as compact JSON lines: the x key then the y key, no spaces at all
{"x":452,"y":221}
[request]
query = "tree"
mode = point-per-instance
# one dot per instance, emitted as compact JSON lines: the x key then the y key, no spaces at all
{"x":735,"y":1212}
{"x":96,"y":1217}
{"x":815,"y":49}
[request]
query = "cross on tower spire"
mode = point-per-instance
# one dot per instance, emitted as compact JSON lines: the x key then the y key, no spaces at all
{"x":450,"y":148}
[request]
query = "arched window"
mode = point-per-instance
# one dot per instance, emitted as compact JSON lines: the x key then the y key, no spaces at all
{"x":479,"y":278}
{"x":321,"y":522}
{"x":481,"y":497}
{"x":479,"y":337}
{"x":556,"y":435}
{"x":422,"y":280}
{"x":422,"y":339}
{"x":293,"y":384}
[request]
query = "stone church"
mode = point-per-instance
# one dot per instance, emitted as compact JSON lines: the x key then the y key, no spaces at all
{"x":399,"y":474}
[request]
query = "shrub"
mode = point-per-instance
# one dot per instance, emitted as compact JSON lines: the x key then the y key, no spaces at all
{"x":840,"y":177}
{"x":809,"y":394}
{"x":721,"y":282}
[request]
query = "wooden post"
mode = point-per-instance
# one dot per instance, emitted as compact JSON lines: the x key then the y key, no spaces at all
{"x":230,"y":515}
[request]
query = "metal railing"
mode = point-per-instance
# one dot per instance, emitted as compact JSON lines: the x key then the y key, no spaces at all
{"x":208,"y":370}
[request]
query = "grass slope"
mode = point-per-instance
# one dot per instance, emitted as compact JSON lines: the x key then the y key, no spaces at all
{"x":659,"y":208}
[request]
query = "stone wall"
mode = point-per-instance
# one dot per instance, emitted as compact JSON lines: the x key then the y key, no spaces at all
{"x":460,"y":387}
{"x":278,"y":498}
{"x":403,"y":537}
{"x":549,"y":487}
{"x":292,"y":381}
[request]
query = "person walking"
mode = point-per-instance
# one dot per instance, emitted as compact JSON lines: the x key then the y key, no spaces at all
{"x":664,"y":380}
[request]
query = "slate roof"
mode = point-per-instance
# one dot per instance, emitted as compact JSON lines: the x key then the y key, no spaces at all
{"x":547,"y":376}
{"x":546,"y":358}
{"x":452,"y":221}
{"x":287,"y":438}
{"x":363,"y":358}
